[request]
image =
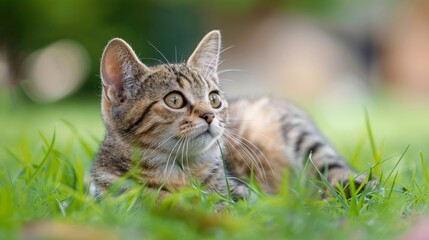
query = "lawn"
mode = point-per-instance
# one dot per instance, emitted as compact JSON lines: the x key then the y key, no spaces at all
{"x":46,"y":153}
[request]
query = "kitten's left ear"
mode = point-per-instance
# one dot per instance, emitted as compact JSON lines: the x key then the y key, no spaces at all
{"x":120,"y":69}
{"x":206,"y":56}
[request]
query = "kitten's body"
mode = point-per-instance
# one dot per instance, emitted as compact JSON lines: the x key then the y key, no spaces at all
{"x":174,"y":120}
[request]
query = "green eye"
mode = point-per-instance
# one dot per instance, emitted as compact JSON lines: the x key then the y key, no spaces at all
{"x":215,"y":100}
{"x":174,"y":100}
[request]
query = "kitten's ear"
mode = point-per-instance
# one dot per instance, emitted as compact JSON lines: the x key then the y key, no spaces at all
{"x":119,"y":69}
{"x":206,"y":56}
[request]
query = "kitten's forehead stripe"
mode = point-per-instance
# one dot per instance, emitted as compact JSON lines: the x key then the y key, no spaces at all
{"x":202,"y":81}
{"x":179,"y":81}
{"x":141,"y":118}
{"x":183,"y":76}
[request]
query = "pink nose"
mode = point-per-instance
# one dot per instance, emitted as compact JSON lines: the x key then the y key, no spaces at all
{"x":208,"y":116}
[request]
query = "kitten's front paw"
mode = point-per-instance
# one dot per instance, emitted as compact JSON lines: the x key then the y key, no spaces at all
{"x":360,"y":182}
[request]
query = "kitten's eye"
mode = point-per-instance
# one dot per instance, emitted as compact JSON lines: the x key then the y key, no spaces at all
{"x":175,"y":100}
{"x":214,"y":100}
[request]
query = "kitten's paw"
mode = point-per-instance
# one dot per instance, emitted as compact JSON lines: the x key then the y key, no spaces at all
{"x":343,"y":182}
{"x":361,"y":184}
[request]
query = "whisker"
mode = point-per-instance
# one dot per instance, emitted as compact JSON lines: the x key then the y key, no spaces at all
{"x":175,"y":157}
{"x":230,"y":70}
{"x":154,"y":150}
{"x":253,"y":145}
{"x":169,"y":65}
{"x":241,"y":120}
{"x":250,"y":153}
{"x":214,"y":58}
{"x":175,"y":52}
{"x":187,"y":154}
{"x":245,"y":162}
{"x":253,"y":157}
{"x":169,"y":156}
{"x":213,"y":70}
{"x":182,"y":157}
{"x":226,"y":80}
{"x":153,"y":59}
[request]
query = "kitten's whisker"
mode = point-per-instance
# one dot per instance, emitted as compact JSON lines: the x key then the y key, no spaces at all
{"x":253,"y":145}
{"x":229,"y":146}
{"x":214,"y":59}
{"x":240,"y":120}
{"x":225,"y":80}
{"x":169,"y":156}
{"x":212,"y":71}
{"x":182,"y":156}
{"x":154,"y":150}
{"x":230,"y":70}
{"x":251,"y":120}
{"x":169,"y":65}
{"x":175,"y":157}
{"x":187,"y":154}
{"x":175,"y":52}
{"x":153,"y":59}
{"x":253,"y":157}
{"x":245,"y":147}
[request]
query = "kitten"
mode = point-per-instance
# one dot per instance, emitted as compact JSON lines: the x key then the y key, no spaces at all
{"x":176,"y":120}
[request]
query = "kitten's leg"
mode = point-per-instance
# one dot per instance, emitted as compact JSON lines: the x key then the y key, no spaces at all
{"x":104,"y":180}
{"x":238,"y":189}
{"x":221,"y":182}
{"x":101,"y":182}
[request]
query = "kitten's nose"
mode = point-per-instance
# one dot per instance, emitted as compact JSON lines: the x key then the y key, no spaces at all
{"x":208,"y":116}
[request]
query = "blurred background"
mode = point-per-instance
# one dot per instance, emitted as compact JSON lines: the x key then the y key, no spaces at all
{"x":317,"y":53}
{"x":312,"y":50}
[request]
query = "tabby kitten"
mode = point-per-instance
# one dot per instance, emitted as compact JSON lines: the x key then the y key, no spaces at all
{"x":176,"y":120}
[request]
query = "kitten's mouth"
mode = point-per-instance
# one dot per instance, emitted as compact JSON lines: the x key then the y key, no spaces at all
{"x":206,"y":132}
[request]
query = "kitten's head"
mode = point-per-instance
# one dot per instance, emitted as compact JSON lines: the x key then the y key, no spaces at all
{"x":165,"y":106}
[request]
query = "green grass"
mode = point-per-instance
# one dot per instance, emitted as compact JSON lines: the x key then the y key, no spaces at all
{"x":46,"y":154}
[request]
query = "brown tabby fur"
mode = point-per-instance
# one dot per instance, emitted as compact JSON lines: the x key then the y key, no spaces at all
{"x":177,"y":146}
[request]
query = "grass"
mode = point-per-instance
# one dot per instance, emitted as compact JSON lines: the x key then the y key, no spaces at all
{"x":46,"y":154}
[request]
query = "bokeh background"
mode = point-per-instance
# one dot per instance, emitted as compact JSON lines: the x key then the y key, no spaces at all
{"x":333,"y":57}
{"x":50,"y":49}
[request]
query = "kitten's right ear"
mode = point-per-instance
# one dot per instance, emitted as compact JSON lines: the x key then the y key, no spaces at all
{"x":206,"y":56}
{"x":119,"y":69}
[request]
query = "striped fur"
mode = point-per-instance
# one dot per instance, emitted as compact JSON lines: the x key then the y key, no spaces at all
{"x":166,"y":148}
{"x":270,"y":136}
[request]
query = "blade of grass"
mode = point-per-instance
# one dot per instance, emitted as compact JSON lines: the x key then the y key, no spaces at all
{"x":357,"y":152}
{"x":228,"y":188}
{"x":14,"y":156}
{"x":375,"y":152}
{"x":425,"y":170}
{"x":42,"y":164}
{"x":87,"y":149}
{"x":393,"y":185}
{"x":44,"y":140}
{"x":397,"y":163}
